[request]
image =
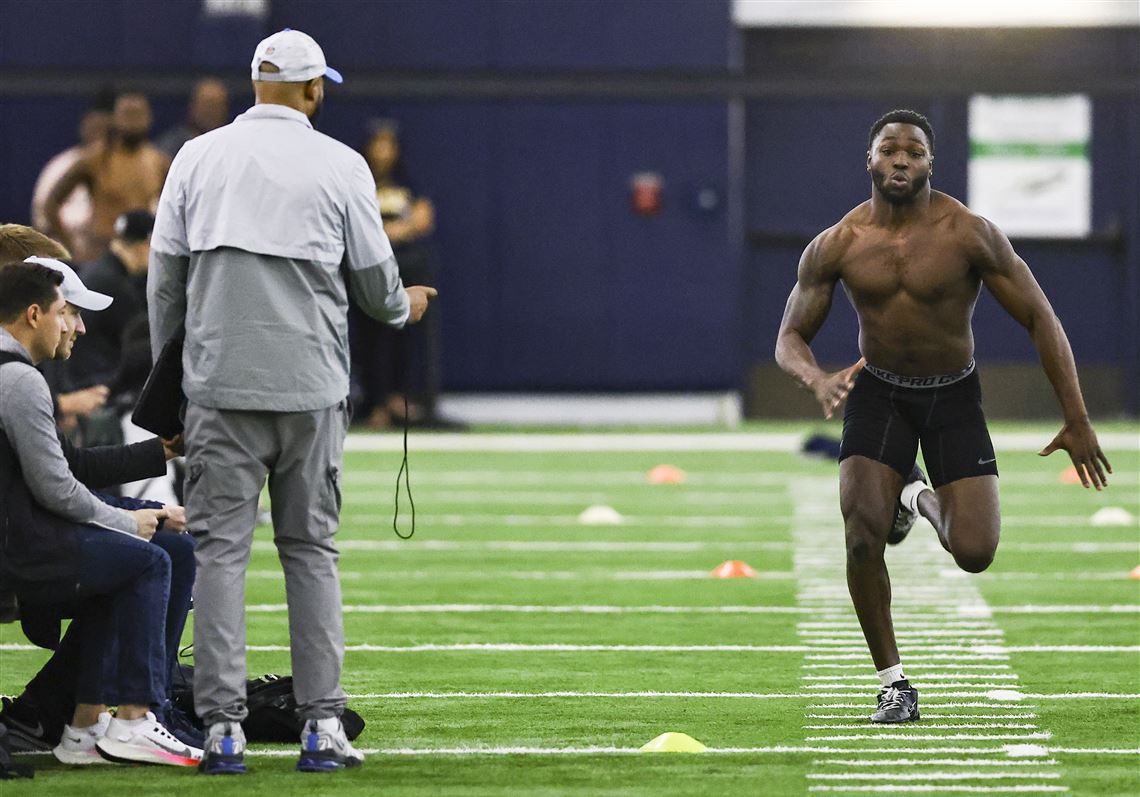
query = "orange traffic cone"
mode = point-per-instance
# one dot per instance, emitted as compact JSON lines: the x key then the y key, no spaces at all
{"x":1070,"y":476}
{"x":665,"y":474}
{"x":733,"y":568}
{"x":1135,"y":574}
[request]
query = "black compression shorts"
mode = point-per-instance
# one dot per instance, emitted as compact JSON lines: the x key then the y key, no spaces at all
{"x":886,"y":420}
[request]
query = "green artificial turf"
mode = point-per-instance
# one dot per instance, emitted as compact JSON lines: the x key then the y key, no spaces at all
{"x":501,"y":529}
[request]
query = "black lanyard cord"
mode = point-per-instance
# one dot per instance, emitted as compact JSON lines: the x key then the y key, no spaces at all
{"x":406,"y":473}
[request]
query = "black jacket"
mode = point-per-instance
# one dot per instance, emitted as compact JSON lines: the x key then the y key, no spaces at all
{"x":103,"y":346}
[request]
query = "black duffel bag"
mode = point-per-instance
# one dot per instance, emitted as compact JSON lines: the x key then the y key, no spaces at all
{"x":272,"y":708}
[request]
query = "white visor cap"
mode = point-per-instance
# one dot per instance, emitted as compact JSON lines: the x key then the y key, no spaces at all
{"x":73,"y":289}
{"x":296,"y":55}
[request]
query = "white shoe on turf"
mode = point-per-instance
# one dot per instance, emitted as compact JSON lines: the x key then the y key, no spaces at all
{"x":324,"y":747}
{"x":77,"y":745}
{"x":145,"y":741}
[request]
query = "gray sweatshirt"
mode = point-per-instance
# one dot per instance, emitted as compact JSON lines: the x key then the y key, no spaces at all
{"x":28,"y":421}
{"x":263,"y":226}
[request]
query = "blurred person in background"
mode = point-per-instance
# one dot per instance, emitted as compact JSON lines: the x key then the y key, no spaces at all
{"x":208,"y":110}
{"x":122,"y":172}
{"x":75,"y":213}
{"x":121,"y":274}
{"x":388,"y":362}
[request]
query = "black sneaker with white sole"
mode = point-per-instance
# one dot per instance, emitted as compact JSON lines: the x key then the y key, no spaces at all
{"x":897,"y":703}
{"x":904,"y":518}
{"x":27,"y":732}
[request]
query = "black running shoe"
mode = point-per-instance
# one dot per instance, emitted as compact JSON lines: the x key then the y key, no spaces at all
{"x":904,"y":518}
{"x":175,"y":721}
{"x":897,"y":703}
{"x":26,"y":731}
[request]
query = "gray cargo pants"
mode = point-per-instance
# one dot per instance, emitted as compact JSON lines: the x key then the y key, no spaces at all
{"x":229,"y":454}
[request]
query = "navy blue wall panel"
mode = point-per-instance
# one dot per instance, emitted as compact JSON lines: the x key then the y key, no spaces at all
{"x":548,"y":279}
{"x":419,"y":34}
{"x":118,"y":33}
{"x":514,"y":34}
{"x":612,"y":34}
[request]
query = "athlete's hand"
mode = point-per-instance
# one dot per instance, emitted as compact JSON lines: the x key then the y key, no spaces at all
{"x":419,"y":295}
{"x":1079,"y":439}
{"x":147,"y":521}
{"x":831,"y":390}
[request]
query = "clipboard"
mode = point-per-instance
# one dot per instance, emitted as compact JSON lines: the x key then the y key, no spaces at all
{"x":159,"y":408}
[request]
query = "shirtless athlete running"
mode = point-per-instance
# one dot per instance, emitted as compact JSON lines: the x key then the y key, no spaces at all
{"x":912,"y":262}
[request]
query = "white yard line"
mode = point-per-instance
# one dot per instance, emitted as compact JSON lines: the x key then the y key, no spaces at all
{"x":497,"y":608}
{"x":524,"y":647}
{"x":891,"y":751}
{"x":1032,"y":788}
{"x":861,"y":717}
{"x":929,"y":737}
{"x":935,"y":702}
{"x":934,"y":726}
{"x":940,"y":762}
{"x":347,"y":543}
{"x":784,"y":442}
{"x":904,"y":776}
{"x":494,"y":608}
{"x":756,"y":521}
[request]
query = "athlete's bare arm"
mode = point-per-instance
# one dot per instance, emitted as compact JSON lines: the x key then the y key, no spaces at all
{"x":807,"y":309}
{"x":80,"y":173}
{"x":1013,"y":285}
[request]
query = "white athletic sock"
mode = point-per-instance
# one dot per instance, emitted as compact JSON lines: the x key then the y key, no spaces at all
{"x":891,"y":674}
{"x":910,"y":493}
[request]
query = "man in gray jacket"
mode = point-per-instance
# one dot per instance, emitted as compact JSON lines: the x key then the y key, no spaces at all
{"x":259,"y":224}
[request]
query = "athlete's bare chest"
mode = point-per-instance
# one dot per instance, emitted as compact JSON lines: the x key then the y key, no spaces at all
{"x":927,"y":266}
{"x":129,"y":178}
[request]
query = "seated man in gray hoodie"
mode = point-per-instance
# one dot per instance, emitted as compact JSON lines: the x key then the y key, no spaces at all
{"x":62,"y":544}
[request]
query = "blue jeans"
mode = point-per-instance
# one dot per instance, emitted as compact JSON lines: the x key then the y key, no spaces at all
{"x":124,"y":583}
{"x":52,"y":690}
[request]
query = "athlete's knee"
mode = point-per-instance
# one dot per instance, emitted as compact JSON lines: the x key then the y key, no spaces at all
{"x":863,"y":543}
{"x":973,"y":557}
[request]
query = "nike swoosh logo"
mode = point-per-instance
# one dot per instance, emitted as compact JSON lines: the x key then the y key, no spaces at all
{"x":986,"y":461}
{"x":32,"y":730}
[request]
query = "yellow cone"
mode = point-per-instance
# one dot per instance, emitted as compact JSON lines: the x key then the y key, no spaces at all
{"x":672,"y":742}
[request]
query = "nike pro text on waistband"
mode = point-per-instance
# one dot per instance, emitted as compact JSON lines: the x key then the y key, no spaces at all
{"x":941,"y":380}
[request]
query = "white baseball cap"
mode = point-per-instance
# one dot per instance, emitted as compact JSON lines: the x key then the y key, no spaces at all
{"x":73,"y":289}
{"x":297,"y":55}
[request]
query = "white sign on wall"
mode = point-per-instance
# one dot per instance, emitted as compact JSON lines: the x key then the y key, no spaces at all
{"x":1029,"y":169}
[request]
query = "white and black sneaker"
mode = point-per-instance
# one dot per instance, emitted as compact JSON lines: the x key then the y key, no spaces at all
{"x":897,"y":703}
{"x":77,"y":745}
{"x":904,"y":518}
{"x":145,"y":741}
{"x":325,"y":748}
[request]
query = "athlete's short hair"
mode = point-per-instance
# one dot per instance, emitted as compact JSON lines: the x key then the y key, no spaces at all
{"x":25,"y":284}
{"x":906,"y":117}
{"x":18,"y":242}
